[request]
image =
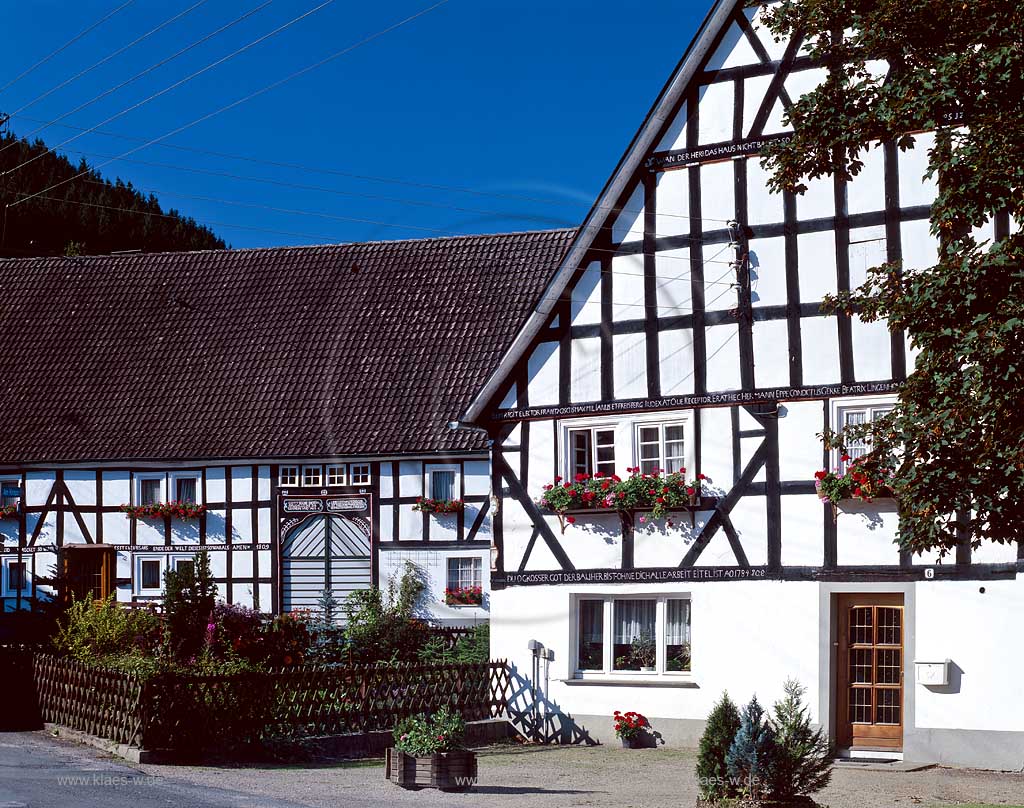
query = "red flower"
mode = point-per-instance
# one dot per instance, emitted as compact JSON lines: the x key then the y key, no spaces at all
{"x":652,"y":492}
{"x":605,"y":485}
{"x":845,"y":458}
{"x":567,"y":486}
{"x":581,"y":477}
{"x":660,"y":500}
{"x":622,"y":494}
{"x":820,"y":475}
{"x":571,"y":520}
{"x":558,"y":479}
{"x":701,"y":477}
{"x":856,"y":492}
{"x":691,"y":491}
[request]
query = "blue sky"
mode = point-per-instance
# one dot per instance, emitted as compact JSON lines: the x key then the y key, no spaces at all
{"x":529,"y":103}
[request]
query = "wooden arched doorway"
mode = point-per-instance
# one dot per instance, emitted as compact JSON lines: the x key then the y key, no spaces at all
{"x":324,"y":551}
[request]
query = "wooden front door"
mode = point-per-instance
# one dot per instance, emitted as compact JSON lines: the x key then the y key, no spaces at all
{"x":88,"y":571}
{"x":870,"y":672}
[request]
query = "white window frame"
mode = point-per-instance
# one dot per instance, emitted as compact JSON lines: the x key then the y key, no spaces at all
{"x":137,"y":587}
{"x":479,"y":563}
{"x":8,"y":591}
{"x":337,"y":475}
{"x":15,"y":481}
{"x":288,"y":476}
{"x":608,"y":672}
{"x":359,"y":474}
{"x":150,"y":475}
{"x":428,"y":481}
{"x":568,"y":464}
{"x":319,"y":476}
{"x":871,"y":406}
{"x":185,"y":475}
{"x":167,"y":561}
{"x":661,"y":426}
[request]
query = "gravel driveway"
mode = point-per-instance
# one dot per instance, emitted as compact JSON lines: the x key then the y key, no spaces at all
{"x":596,"y":776}
{"x":526,"y":777}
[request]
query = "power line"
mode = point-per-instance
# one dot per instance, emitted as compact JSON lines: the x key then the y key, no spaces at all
{"x":267,"y":88}
{"x":340,"y":173}
{"x":180,"y":82}
{"x":110,"y":56}
{"x":136,"y":77}
{"x":66,"y":45}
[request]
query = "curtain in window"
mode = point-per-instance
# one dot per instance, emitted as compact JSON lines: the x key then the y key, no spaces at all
{"x":677,"y":622}
{"x":633,"y":618}
{"x":186,"y":489}
{"x":464,"y":572}
{"x":150,"y":492}
{"x":442,"y":485}
{"x":591,"y":621}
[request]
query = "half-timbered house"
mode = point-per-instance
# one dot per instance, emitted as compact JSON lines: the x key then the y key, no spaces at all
{"x":297,"y":399}
{"x":684,"y":329}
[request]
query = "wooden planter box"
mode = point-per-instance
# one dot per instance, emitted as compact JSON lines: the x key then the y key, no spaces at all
{"x":448,"y":771}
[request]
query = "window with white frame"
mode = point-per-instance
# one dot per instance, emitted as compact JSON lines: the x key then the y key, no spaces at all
{"x":337,"y":475}
{"x":150,"y":569}
{"x":443,"y":482}
{"x":591,"y":450}
{"x":359,"y":474}
{"x":660,"y":447}
{"x":312,"y":476}
{"x":288,"y":476}
{"x":149,"y":488}
{"x":185,"y":487}
{"x":10,"y":492}
{"x":16,"y":578}
{"x":856,"y":414}
{"x":632,"y":634}
{"x":465,"y":572}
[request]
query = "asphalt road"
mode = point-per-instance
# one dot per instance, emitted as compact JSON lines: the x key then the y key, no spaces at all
{"x":37,"y":772}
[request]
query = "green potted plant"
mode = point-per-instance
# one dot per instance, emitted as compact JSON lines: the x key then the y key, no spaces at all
{"x":643,"y":651}
{"x":429,"y":752}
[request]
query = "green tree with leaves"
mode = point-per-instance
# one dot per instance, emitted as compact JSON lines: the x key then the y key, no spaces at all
{"x":803,"y":761}
{"x":190,"y":593}
{"x":719,"y":731}
{"x":954,"y":440}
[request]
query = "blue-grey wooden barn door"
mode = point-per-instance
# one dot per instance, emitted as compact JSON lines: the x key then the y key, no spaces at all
{"x":324,"y":552}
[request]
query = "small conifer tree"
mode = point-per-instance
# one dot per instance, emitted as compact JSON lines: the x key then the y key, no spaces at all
{"x":719,"y":731}
{"x":751,"y":758}
{"x":804,"y":763}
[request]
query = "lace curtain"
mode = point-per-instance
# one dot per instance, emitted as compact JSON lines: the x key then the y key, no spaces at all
{"x":633,"y":618}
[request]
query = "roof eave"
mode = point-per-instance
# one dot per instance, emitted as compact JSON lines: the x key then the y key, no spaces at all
{"x":597,"y":218}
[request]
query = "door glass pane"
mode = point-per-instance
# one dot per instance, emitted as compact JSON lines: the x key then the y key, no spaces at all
{"x":590,"y":651}
{"x":889,"y":626}
{"x":861,"y":626}
{"x":860,"y":665}
{"x":150,"y":570}
{"x":890,"y":664}
{"x":442,"y":485}
{"x":677,"y":635}
{"x":149,"y":492}
{"x":860,"y":705}
{"x":634,"y":643}
{"x":185,"y":489}
{"x":887,"y":705}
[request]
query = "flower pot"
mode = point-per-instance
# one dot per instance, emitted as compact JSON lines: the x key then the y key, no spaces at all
{"x":447,"y":771}
{"x":646,"y":669}
{"x":694,"y":498}
{"x":636,"y":742}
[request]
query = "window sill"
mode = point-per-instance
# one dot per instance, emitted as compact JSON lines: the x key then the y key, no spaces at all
{"x":634,"y":681}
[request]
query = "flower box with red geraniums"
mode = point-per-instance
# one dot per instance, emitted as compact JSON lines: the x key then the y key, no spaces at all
{"x":464,"y":596}
{"x":426,"y":505}
{"x":8,"y":511}
{"x":632,"y":728}
{"x":864,"y":479}
{"x":659,"y":493}
{"x":163,"y":510}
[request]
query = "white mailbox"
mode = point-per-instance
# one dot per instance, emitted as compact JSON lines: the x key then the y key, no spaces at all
{"x":932,"y":673}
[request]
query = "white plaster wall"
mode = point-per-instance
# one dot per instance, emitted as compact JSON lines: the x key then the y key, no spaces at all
{"x":673,"y":208}
{"x":737,"y":645}
{"x":763,"y":206}
{"x":81,"y":485}
{"x":629,"y":225}
{"x":216,"y":490}
{"x":37,"y":487}
{"x":542,"y":373}
{"x":628,"y":287}
{"x":771,"y":353}
{"x":716,"y":452}
{"x":434,"y":566}
{"x":866,"y":532}
{"x":734,"y":50}
{"x":116,"y":489}
{"x":819,"y":338}
{"x":241,"y":483}
{"x":816,"y":258}
{"x":629,"y":367}
{"x":585,"y":300}
{"x":674,"y":289}
{"x":803,"y":542}
{"x":768,"y":270}
{"x":980,"y":633}
{"x":716,"y":112}
{"x":913,"y":164}
{"x":866,"y":193}
{"x":800,"y":451}
{"x":585,"y":384}
{"x":717,"y":193}
{"x":674,"y":136}
{"x":675,"y":357}
{"x":476,"y":480}
{"x":723,"y":364}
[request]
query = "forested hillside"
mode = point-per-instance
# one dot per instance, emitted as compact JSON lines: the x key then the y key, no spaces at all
{"x":87,"y":216}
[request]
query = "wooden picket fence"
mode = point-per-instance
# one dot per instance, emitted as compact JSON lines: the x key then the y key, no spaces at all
{"x":186,"y":712}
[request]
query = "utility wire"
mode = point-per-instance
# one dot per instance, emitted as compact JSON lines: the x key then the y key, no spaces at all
{"x":110,"y":56}
{"x":243,"y":99}
{"x":180,"y":82}
{"x":341,"y":173}
{"x":66,"y":45}
{"x":137,"y":76}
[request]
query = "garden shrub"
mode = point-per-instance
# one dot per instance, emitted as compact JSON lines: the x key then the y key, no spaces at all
{"x":91,"y":630}
{"x":327,"y":644}
{"x":752,"y":757}
{"x":189,"y":597}
{"x":719,"y":732}
{"x":385,"y":628}
{"x":803,"y":762}
{"x":476,"y":646}
{"x":422,"y":735}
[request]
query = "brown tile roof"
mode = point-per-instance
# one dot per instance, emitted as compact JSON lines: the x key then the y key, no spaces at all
{"x":285,"y":352}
